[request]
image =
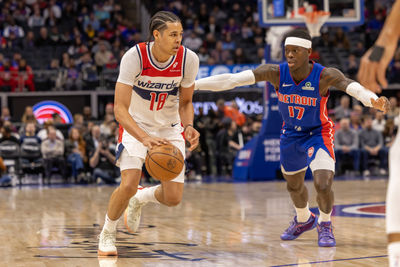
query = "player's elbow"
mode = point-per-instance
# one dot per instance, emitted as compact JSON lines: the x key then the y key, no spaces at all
{"x":118,"y":112}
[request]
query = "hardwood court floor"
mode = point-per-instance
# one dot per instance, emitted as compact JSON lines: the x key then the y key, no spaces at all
{"x":218,"y":224}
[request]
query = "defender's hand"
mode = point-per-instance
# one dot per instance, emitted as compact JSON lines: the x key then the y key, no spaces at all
{"x":192,"y":136}
{"x":382,"y":104}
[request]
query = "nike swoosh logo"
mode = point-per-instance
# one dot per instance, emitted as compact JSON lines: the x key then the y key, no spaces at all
{"x":174,"y":124}
{"x":286,"y":85}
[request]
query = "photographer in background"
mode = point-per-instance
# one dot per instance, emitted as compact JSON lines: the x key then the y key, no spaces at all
{"x":102,"y":161}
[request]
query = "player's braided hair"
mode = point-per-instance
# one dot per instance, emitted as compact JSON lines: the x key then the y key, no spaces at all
{"x":159,"y":20}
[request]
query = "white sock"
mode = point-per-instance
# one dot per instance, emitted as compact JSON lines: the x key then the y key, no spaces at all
{"x":324,"y":217}
{"x":303,"y":214}
{"x":147,"y":194}
{"x":394,"y":254}
{"x":110,"y":225}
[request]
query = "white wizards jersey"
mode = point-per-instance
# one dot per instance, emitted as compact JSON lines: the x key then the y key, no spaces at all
{"x":155,"y":89}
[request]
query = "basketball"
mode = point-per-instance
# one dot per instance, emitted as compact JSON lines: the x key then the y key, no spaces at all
{"x":164,"y":162}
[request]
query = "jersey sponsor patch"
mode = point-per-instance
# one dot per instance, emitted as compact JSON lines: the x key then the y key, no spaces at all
{"x":308,"y":87}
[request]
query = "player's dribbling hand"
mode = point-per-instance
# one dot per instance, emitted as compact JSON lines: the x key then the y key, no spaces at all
{"x":150,"y":141}
{"x":382,"y":104}
{"x":192,"y":136}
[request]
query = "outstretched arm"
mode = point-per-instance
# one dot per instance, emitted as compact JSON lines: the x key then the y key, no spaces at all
{"x":375,"y":61}
{"x":334,"y":77}
{"x":222,"y":82}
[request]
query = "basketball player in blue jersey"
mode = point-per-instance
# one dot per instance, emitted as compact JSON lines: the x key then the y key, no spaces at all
{"x":307,"y":134}
{"x":372,"y":72}
{"x":153,"y":98}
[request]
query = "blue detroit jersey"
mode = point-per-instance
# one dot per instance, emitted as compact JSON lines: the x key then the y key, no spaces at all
{"x":302,"y":107}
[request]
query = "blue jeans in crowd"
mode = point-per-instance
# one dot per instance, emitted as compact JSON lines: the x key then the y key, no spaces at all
{"x":342,"y":156}
{"x":76,"y":162}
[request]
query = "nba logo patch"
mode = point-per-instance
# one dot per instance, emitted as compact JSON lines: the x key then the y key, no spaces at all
{"x":310,"y":151}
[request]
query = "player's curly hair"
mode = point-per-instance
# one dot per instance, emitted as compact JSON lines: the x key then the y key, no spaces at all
{"x":159,"y":21}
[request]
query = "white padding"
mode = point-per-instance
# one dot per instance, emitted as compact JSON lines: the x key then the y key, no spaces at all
{"x":322,"y":161}
{"x":298,"y":42}
{"x":393,"y":192}
{"x":360,"y":93}
{"x":293,"y":172}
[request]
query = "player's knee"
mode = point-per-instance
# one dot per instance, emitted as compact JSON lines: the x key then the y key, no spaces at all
{"x":172,"y":201}
{"x":128,"y":189}
{"x":323,"y":186}
{"x":294,"y":187}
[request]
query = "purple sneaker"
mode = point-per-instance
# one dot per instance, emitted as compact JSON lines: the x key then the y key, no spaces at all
{"x":325,"y":235}
{"x":296,"y":229}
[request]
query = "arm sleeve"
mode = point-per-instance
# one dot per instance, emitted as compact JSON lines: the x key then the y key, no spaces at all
{"x":226,"y":81}
{"x":190,"y":69}
{"x":130,"y":67}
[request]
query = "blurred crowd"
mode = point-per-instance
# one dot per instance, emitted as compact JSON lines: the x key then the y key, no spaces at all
{"x":363,"y":137}
{"x":78,"y":41}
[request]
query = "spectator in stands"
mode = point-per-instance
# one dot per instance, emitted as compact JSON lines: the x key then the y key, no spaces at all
{"x":8,"y":75}
{"x":219,"y":54}
{"x":5,"y":114}
{"x":28,"y":116}
{"x":54,"y":35}
{"x":395,"y":68}
{"x":389,"y":134}
{"x":91,"y":20}
{"x":343,"y":111}
{"x":87,"y":114}
{"x":7,"y":133}
{"x":13,"y":42}
{"x":340,"y":40}
{"x":224,"y":144}
{"x":72,"y":77}
{"x":13,"y":28}
{"x":79,"y":123}
{"x":29,"y":41}
{"x":371,"y":143}
{"x":220,"y":113}
{"x":231,"y":27}
{"x":102,"y":161}
{"x":359,"y":50}
{"x":92,"y":140}
{"x":203,"y":55}
{"x":29,"y":133}
{"x":212,"y":26}
{"x":239,"y":57}
{"x":193,"y":42}
{"x":52,"y":10}
{"x":75,"y":151}
{"x":36,"y":20}
{"x":233,"y":112}
{"x":379,"y":122}
{"x":355,"y":121}
{"x":352,"y":66}
{"x":43,"y":133}
{"x":25,"y":75}
{"x":53,"y":153}
{"x":394,"y":108}
{"x":43,"y":40}
{"x":103,"y":57}
{"x":346,"y":146}
{"x":109,"y":110}
{"x":105,"y":127}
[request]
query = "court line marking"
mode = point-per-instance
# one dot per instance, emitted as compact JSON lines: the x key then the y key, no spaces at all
{"x":314,"y":262}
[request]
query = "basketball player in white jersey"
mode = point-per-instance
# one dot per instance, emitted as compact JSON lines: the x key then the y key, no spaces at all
{"x":153,"y":104}
{"x":372,"y":73}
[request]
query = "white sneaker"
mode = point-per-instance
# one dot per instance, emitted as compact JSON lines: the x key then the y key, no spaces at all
{"x":366,"y":173}
{"x":108,"y":261}
{"x":107,"y":243}
{"x":132,"y":214}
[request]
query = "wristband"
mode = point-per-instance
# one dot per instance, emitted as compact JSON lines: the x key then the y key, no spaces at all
{"x":376,"y":54}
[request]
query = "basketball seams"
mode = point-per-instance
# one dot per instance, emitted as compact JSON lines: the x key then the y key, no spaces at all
{"x":161,"y":165}
{"x":163,"y":153}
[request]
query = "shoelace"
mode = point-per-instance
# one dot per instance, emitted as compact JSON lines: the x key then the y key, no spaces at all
{"x":325,"y":231}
